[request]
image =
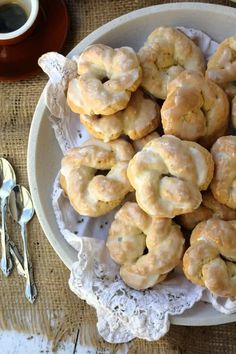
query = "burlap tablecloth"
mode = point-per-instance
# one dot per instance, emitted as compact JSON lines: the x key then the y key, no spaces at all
{"x":56,"y":303}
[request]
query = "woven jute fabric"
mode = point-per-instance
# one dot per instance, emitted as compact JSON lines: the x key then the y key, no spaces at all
{"x":57,"y":310}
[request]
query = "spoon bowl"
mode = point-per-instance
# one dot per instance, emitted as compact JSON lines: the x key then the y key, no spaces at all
{"x":20,"y":204}
{"x":7,"y":178}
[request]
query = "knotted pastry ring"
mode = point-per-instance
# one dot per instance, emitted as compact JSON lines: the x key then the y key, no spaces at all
{"x":90,"y":194}
{"x":223,"y":185}
{"x":168,"y":175}
{"x":209,"y":261}
{"x":221,"y":67}
{"x":195,"y":109}
{"x":233,"y":112}
{"x":106,"y":79}
{"x":164,"y":56}
{"x":210,"y":208}
{"x":139,"y":118}
{"x":130,"y":233}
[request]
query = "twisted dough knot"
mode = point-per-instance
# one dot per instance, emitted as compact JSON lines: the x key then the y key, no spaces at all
{"x":106,"y":79}
{"x":223,"y":185}
{"x":221,"y":67}
{"x":210,"y":208}
{"x":195,"y":109}
{"x":140,"y":143}
{"x":209,"y":261}
{"x":139,"y":118}
{"x":233,"y":112}
{"x":130,"y":233}
{"x":168,"y":175}
{"x":92,"y":194}
{"x":164,"y":56}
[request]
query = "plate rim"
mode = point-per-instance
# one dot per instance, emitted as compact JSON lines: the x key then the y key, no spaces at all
{"x":40,"y":111}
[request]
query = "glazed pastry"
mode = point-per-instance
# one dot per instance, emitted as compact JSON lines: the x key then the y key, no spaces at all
{"x":221,"y":67}
{"x":106,"y":79}
{"x":210,"y":208}
{"x":139,"y":118}
{"x":233,"y":112}
{"x":168,"y":175}
{"x":130,"y":233}
{"x":223,"y":185}
{"x":94,"y":194}
{"x":140,"y":143}
{"x":210,"y":260}
{"x":164,"y":56}
{"x":195,"y":109}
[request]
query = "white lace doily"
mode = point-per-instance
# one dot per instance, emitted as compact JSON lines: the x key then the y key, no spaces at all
{"x":123,"y":313}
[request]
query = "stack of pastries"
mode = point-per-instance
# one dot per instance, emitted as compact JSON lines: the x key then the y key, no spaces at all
{"x":159,"y":120}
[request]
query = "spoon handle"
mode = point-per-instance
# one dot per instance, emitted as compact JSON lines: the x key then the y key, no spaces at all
{"x":18,"y":259}
{"x":6,"y":261}
{"x":30,"y":288}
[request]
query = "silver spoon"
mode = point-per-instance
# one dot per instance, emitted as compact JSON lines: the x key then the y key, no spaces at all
{"x":7,"y":182}
{"x":18,"y":259}
{"x":22,"y":210}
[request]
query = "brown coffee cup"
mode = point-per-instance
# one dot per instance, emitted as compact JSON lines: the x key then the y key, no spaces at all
{"x":31,"y":8}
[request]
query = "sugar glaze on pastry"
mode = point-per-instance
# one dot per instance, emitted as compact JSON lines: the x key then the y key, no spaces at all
{"x":210,"y":260}
{"x":221,"y":67}
{"x":130,"y":233}
{"x":140,"y":143}
{"x":233,"y":112}
{"x":210,"y":208}
{"x":166,"y":53}
{"x":139,"y":118}
{"x":106,"y":79}
{"x":94,"y":194}
{"x":168,"y":175}
{"x":223,"y":185}
{"x":195,"y":109}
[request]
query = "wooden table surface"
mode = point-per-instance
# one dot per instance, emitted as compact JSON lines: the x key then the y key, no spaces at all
{"x":12,"y":342}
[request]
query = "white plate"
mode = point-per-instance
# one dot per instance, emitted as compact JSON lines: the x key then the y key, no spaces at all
{"x":44,"y":154}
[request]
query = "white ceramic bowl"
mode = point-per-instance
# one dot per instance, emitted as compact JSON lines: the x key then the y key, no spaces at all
{"x":44,"y":154}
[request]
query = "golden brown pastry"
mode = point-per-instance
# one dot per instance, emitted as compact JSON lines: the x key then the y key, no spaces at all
{"x":233,"y":112}
{"x":96,"y":194}
{"x":139,"y":118}
{"x":140,"y":143}
{"x":209,"y":261}
{"x":106,"y":79}
{"x":221,"y":67}
{"x":223,"y":185}
{"x":210,"y":208}
{"x":130,"y":233}
{"x":168,"y":175}
{"x":195,"y":109}
{"x":164,"y":56}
